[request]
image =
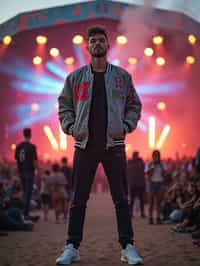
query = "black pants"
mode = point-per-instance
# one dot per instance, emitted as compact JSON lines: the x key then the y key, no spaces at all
{"x":27,"y":185}
{"x":84,"y":169}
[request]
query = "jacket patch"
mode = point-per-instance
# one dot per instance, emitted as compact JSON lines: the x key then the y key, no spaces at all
{"x":81,"y":92}
{"x":118,"y":82}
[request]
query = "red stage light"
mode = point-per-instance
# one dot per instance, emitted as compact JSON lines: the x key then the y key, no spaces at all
{"x":192,"y":39}
{"x":77,"y":39}
{"x":190,"y":59}
{"x":161,"y":106}
{"x":37,"y":60}
{"x":157,"y":40}
{"x":148,"y":51}
{"x":121,"y":39}
{"x":54,"y":52}
{"x":160,"y":61}
{"x":13,"y":147}
{"x":69,"y":60}
{"x":41,"y":39}
{"x":132,"y":60}
{"x":7,"y":40}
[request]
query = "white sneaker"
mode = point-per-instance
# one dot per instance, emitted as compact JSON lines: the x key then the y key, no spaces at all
{"x":130,"y":255}
{"x":69,"y":255}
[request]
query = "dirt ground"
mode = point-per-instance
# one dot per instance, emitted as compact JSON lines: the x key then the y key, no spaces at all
{"x":157,"y":244}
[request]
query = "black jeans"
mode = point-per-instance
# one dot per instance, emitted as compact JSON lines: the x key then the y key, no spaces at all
{"x":27,"y":185}
{"x":84,"y":169}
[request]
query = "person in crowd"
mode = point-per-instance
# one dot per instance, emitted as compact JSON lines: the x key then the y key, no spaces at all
{"x":59,"y":194}
{"x":45,"y":193}
{"x":26,"y":157}
{"x":191,"y":212}
{"x":11,"y":218}
{"x":136,"y":182}
{"x":67,"y":171}
{"x":155,"y":171}
{"x":17,"y":194}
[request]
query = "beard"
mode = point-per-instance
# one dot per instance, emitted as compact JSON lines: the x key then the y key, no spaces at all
{"x":99,"y":53}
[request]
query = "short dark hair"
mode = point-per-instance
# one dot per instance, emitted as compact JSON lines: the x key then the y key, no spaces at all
{"x":64,"y":160}
{"x":55,"y":167}
{"x":96,"y":30}
{"x":27,"y":132}
{"x":135,"y":154}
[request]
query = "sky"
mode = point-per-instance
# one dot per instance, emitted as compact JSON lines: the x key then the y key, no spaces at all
{"x":14,"y":7}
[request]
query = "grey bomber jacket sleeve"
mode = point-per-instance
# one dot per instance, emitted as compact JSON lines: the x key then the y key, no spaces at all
{"x":133,"y":107}
{"x":66,"y":107}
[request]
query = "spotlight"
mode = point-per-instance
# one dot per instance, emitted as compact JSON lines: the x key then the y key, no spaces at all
{"x":132,"y":60}
{"x":160,"y":61}
{"x":7,"y":39}
{"x":163,"y":136}
{"x":161,"y":106}
{"x":69,"y":60}
{"x":37,"y":60}
{"x":54,"y":52}
{"x":48,"y":132}
{"x":13,"y":147}
{"x":190,"y":59}
{"x":152,"y":130}
{"x":121,"y":39}
{"x":41,"y":39}
{"x":148,"y":51}
{"x":192,"y":39}
{"x":77,"y":39}
{"x":157,"y":40}
{"x":35,"y":107}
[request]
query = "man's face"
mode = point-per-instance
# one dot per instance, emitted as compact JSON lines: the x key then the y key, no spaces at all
{"x":98,"y":45}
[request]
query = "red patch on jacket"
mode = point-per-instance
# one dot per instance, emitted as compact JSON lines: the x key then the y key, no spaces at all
{"x":81,"y":92}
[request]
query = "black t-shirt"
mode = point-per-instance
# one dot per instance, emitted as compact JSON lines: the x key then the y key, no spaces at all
{"x":135,"y":173}
{"x":25,"y":155}
{"x":98,"y":114}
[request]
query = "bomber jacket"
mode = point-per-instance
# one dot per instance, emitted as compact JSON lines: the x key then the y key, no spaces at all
{"x":124,"y":106}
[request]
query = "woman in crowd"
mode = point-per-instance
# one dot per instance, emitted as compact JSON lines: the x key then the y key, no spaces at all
{"x":155,"y":171}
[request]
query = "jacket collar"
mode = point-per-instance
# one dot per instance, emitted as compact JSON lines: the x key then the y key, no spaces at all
{"x":108,"y":68}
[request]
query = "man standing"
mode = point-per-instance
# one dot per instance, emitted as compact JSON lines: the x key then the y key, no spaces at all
{"x":98,"y":106}
{"x":26,"y":157}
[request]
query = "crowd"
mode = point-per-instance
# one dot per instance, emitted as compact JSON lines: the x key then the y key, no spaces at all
{"x":170,"y":189}
{"x":168,"y":192}
{"x":51,"y":189}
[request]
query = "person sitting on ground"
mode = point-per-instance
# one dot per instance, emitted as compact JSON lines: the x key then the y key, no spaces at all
{"x":191,"y":213}
{"x":11,"y":218}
